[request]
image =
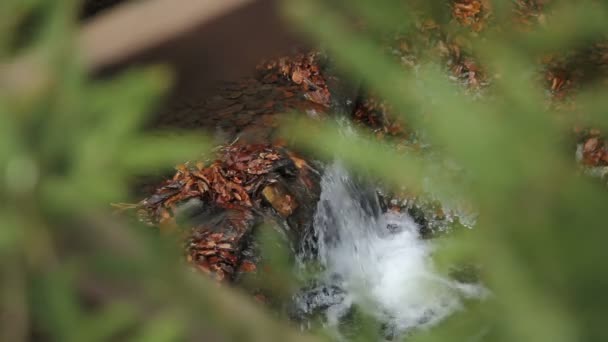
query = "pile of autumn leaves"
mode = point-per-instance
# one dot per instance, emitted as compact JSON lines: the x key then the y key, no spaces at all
{"x":562,"y":74}
{"x":237,"y":181}
{"x":303,"y":69}
{"x":228,"y":182}
{"x":231,"y":183}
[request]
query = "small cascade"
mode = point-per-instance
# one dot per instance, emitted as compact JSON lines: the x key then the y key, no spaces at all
{"x":374,"y":261}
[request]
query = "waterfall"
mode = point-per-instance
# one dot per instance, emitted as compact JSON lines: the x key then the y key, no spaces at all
{"x":377,"y":261}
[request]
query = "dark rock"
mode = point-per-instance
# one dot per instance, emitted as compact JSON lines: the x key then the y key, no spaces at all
{"x":314,"y":300}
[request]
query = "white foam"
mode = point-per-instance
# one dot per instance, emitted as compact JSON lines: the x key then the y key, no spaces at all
{"x":389,"y":272}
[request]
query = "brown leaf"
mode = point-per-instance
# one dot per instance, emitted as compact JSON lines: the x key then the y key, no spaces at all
{"x":280,"y":199}
{"x":320,"y":96}
{"x":247,"y":266}
{"x":203,"y":268}
{"x":298,"y":76}
{"x":591,"y":145}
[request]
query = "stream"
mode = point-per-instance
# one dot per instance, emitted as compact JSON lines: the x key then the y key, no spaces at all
{"x":376,"y":262}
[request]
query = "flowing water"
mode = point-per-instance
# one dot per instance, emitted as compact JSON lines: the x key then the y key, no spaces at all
{"x":375,"y":261}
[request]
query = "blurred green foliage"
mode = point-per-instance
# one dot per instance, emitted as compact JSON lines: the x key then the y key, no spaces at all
{"x":68,"y":146}
{"x":541,"y":231}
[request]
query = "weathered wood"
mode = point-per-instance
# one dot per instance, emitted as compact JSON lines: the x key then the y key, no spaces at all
{"x":203,"y":41}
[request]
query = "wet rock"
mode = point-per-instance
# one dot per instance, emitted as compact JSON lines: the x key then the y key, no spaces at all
{"x":431,"y":215}
{"x":254,"y":133}
{"x":217,"y":205}
{"x":186,"y":210}
{"x":314,"y":300}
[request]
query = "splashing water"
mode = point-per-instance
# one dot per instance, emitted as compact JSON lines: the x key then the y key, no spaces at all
{"x":378,"y":260}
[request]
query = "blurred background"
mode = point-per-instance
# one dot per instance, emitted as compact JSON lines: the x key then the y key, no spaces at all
{"x":303,"y":170}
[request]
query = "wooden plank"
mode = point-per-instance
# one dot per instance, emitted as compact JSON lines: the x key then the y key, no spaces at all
{"x":134,"y":27}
